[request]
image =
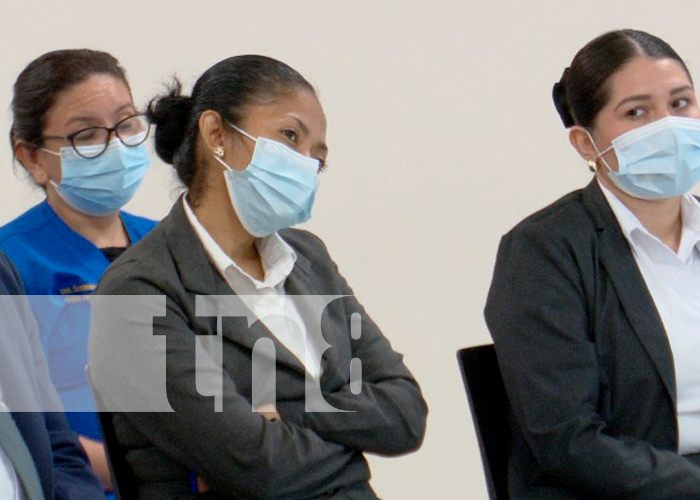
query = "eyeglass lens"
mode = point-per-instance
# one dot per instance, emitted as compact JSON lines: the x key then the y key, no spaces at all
{"x":130,"y":132}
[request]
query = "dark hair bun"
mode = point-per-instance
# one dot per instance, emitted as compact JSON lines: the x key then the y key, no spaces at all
{"x":560,"y":100}
{"x":170,"y":114}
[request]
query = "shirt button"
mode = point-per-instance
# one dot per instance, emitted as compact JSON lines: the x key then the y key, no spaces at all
{"x":683,"y":275}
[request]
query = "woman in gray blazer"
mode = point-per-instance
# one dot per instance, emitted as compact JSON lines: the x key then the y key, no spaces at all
{"x":303,"y":381}
{"x":595,"y":304}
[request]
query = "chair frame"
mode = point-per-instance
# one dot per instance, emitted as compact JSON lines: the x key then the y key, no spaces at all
{"x":489,"y":407}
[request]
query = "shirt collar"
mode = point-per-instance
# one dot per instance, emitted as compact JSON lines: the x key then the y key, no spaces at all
{"x":631,"y":226}
{"x":625,"y":217}
{"x":690,"y":211}
{"x":278,"y":258}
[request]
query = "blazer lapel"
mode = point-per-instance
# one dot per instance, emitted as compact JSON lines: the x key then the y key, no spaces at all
{"x":12,"y":444}
{"x":197,"y":274}
{"x":302,"y":281}
{"x":630,"y":285}
{"x":199,"y":277}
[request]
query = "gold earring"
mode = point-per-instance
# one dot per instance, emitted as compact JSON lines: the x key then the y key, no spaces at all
{"x":592,"y":166}
{"x":219,"y":151}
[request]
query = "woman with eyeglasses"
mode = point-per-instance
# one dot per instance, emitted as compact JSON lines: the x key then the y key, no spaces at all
{"x":595,"y":302}
{"x":78,"y":135}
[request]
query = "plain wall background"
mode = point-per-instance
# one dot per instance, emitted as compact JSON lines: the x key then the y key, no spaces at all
{"x":442,"y":137}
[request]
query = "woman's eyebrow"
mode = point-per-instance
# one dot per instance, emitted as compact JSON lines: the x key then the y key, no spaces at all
{"x":640,"y":97}
{"x":646,"y":97}
{"x":88,"y":120}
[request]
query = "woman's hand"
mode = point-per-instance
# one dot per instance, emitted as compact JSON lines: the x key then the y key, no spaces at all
{"x":95,"y":451}
{"x":202,"y":486}
{"x":268,"y":412}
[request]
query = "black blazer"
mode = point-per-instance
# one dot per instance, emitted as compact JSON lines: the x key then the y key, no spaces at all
{"x":238,"y":453}
{"x":585,"y":359}
{"x":27,"y":390}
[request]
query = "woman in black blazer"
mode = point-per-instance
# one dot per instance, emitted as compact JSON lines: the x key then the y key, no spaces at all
{"x":594,"y":304}
{"x":248,"y":144}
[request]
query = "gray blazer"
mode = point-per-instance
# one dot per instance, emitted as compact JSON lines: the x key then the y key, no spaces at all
{"x":585,"y":359}
{"x":238,"y":453}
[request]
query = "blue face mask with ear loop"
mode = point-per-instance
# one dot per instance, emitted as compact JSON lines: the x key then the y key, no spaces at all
{"x":103,"y":185}
{"x":276,"y":190}
{"x":658,"y":160}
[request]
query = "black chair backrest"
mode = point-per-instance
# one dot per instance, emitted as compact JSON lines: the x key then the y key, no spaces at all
{"x":489,"y":408}
{"x":124,"y":481}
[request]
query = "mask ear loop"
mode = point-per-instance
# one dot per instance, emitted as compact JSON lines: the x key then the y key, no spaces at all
{"x":221,"y":160}
{"x":241,"y":131}
{"x":49,"y":180}
{"x":218,"y":157}
{"x":593,"y":162}
{"x":55,"y":153}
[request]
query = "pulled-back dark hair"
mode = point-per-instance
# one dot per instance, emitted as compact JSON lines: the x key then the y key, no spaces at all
{"x":37,"y":86}
{"x":227,"y":88}
{"x":583,"y":89}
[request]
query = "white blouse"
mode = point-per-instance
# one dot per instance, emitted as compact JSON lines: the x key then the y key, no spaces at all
{"x":280,"y":316}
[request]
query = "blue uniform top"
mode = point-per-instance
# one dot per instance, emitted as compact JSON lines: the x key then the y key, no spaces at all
{"x":60,"y":270}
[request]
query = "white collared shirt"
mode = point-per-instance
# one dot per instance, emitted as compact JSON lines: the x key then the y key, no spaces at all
{"x":279,"y":315}
{"x":673,"y":280}
{"x":10,"y":487}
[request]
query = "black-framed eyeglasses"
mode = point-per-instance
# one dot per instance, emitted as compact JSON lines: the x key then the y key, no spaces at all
{"x":91,"y":142}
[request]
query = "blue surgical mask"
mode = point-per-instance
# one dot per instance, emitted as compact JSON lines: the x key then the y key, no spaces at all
{"x":103,"y":185}
{"x":276,"y":190}
{"x":658,"y":160}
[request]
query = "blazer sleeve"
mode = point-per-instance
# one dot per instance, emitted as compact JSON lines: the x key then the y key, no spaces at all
{"x":389,"y":414}
{"x":538,"y":312}
{"x":72,"y":476}
{"x":236,"y":451}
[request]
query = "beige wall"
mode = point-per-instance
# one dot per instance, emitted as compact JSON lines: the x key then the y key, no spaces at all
{"x":442,"y":136}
